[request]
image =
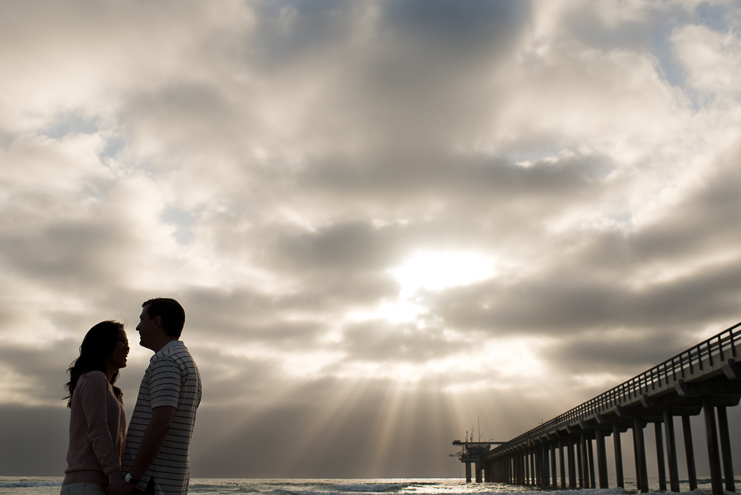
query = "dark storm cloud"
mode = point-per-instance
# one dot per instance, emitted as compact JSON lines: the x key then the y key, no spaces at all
{"x":572,"y":302}
{"x":470,"y":25}
{"x":440,"y":176}
{"x":247,"y":315}
{"x":291,"y":32}
{"x":706,"y":220}
{"x":350,"y":245}
{"x":65,"y":252}
{"x":618,"y":352}
{"x":290,"y":320}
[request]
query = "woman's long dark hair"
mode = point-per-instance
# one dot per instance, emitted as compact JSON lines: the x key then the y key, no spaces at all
{"x":97,"y":346}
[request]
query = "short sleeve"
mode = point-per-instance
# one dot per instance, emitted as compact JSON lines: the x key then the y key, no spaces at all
{"x":164,"y":382}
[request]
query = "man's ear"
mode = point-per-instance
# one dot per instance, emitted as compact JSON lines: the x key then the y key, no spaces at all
{"x":158,"y":322}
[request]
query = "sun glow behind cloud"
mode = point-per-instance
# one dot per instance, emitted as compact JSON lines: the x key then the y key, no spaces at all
{"x":428,"y":271}
{"x":440,"y":270}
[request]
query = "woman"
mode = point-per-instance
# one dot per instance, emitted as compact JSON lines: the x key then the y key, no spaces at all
{"x":97,"y":427}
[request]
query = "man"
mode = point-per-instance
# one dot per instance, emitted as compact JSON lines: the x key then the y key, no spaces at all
{"x":156,"y":456}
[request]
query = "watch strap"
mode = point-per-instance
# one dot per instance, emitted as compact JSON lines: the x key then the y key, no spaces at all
{"x":130,"y":479}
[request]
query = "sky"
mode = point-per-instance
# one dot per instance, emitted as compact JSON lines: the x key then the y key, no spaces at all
{"x":392,"y":224}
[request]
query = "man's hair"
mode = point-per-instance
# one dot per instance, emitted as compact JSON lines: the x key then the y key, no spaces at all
{"x":171,"y":313}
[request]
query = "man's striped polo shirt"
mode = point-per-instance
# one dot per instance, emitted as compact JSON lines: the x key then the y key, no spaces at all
{"x":172,"y":379}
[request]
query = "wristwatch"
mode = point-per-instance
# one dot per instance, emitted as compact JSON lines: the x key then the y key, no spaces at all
{"x":130,"y":479}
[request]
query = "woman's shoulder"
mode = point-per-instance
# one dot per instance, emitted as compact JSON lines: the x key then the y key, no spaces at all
{"x":93,"y":378}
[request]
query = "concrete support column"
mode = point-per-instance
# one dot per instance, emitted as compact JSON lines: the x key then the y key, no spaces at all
{"x":468,"y":472}
{"x":640,"y":455}
{"x":601,"y":458}
{"x":660,"y":456}
{"x":511,"y":465}
{"x":478,"y":467}
{"x":521,"y":468}
{"x":635,"y":460}
{"x":689,"y":452}
{"x":562,"y":464}
{"x":546,"y":466}
{"x":554,"y":474}
{"x":524,"y":469}
{"x":510,"y":469}
{"x":526,"y":466}
{"x":590,"y":458}
{"x":711,"y":432}
{"x":526,"y":459}
{"x":671,"y":450}
{"x":617,"y":448}
{"x":725,"y":448}
{"x":572,"y":464}
{"x":580,"y":458}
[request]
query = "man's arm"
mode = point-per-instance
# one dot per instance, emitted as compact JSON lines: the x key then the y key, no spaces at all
{"x":154,"y":438}
{"x":152,"y":441}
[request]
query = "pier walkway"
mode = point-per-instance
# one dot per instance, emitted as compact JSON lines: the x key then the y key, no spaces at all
{"x":706,"y":378}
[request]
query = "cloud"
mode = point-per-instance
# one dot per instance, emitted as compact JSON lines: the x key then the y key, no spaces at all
{"x":275,"y":165}
{"x":710,"y":58}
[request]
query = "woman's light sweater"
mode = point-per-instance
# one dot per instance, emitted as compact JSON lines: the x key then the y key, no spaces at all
{"x":97,"y":432}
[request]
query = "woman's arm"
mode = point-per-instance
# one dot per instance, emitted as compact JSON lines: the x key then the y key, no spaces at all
{"x":95,"y":394}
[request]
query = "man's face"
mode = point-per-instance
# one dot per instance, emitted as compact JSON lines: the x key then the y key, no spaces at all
{"x":146,"y":329}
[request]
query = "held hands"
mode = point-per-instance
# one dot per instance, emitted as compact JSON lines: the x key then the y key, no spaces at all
{"x":120,"y":487}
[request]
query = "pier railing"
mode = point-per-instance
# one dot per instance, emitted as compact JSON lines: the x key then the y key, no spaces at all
{"x":689,"y":363}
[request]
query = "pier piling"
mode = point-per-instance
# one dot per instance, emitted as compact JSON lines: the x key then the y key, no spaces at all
{"x":671,"y":450}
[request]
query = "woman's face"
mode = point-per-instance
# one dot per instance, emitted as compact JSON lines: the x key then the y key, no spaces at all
{"x":117,"y":359}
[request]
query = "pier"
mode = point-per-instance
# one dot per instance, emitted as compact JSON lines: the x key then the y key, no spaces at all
{"x":474,"y":453}
{"x":704,"y":379}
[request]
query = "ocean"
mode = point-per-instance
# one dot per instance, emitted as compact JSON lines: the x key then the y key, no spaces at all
{"x":41,"y":485}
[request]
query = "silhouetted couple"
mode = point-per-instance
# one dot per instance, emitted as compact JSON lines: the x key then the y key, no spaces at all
{"x":153,"y":457}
